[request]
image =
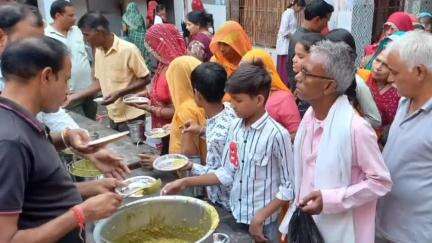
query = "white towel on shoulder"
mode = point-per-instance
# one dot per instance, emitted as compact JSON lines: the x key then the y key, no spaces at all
{"x":332,"y":170}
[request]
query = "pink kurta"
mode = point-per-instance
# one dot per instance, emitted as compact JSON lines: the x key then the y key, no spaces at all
{"x":370,"y":177}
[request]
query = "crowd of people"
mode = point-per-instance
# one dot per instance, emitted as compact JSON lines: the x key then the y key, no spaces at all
{"x":347,"y":144}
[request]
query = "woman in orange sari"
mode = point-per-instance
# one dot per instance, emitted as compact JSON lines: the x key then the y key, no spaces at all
{"x":230,"y":43}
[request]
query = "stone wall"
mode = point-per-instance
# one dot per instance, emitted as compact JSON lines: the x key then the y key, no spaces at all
{"x":355,"y":16}
{"x":418,"y":6}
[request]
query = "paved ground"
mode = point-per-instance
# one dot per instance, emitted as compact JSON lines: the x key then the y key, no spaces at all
{"x":130,"y":151}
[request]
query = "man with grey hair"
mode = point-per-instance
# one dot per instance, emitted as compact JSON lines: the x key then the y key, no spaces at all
{"x":338,"y":169}
{"x":405,"y":214}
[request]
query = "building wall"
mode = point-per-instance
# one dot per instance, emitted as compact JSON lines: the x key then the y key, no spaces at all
{"x":219,"y":13}
{"x":44,"y":8}
{"x":418,"y":6}
{"x":355,"y":16}
{"x":216,"y":7}
{"x":179,"y":12}
{"x":110,"y":8}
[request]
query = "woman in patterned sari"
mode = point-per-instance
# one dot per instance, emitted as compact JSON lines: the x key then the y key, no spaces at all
{"x":135,"y":28}
{"x":198,"y":23}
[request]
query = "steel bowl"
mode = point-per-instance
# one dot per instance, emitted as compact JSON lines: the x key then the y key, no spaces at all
{"x":172,"y":210}
{"x":78,"y":178}
{"x":167,"y":162}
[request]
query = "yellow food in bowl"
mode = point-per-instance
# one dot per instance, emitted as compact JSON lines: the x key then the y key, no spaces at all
{"x":84,"y":168}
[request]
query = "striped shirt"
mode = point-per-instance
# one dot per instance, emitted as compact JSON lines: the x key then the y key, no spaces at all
{"x":216,"y":134}
{"x":261,"y":175}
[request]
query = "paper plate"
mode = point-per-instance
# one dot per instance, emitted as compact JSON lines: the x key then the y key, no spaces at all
{"x":170,"y":162}
{"x":135,"y":100}
{"x":148,"y":185}
{"x":156,"y":133}
{"x":109,"y":139}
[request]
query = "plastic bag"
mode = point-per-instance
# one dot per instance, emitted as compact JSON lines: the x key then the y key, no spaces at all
{"x":302,"y":229}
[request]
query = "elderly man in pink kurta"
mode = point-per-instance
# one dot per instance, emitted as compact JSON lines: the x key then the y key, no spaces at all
{"x":338,"y":169}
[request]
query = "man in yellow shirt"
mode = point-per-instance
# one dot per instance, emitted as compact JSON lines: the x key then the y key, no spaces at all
{"x":119,"y":67}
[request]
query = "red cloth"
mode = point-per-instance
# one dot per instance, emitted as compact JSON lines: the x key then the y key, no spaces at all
{"x":414,"y":19}
{"x":234,"y":155}
{"x":401,"y":20}
{"x":160,"y":96}
{"x":166,"y":42}
{"x":197,"y":5}
{"x":386,"y":102}
{"x":371,"y":49}
{"x":151,"y":9}
{"x":282,"y":68}
{"x":281,"y":106}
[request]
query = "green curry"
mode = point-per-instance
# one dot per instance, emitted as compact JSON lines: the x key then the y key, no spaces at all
{"x":84,"y":168}
{"x":163,"y":234}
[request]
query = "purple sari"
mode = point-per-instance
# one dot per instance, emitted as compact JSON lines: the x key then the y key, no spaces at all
{"x":199,"y":47}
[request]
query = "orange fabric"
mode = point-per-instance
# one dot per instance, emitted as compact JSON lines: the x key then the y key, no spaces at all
{"x":277,"y":83}
{"x":232,"y":34}
{"x":364,"y":74}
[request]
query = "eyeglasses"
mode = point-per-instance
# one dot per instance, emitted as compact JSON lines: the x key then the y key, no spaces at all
{"x":305,"y":73}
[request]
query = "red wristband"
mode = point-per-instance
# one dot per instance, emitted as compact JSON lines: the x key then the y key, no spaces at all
{"x":79,"y":216}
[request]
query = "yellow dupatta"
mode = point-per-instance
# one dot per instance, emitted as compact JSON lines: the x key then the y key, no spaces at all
{"x":277,"y":83}
{"x":178,"y":76}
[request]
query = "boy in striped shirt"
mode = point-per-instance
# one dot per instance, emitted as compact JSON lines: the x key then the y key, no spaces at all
{"x":255,"y":159}
{"x":208,"y":81}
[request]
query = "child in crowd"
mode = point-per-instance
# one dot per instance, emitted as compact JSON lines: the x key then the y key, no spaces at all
{"x":302,"y":48}
{"x":208,"y":81}
{"x":161,"y":15}
{"x":255,"y":159}
{"x":281,"y":104}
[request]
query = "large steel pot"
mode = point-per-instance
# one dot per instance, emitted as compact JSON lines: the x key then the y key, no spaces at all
{"x":174,"y":210}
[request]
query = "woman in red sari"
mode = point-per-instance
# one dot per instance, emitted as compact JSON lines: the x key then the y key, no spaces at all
{"x":398,"y":21}
{"x":384,"y":93}
{"x":165,"y":42}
